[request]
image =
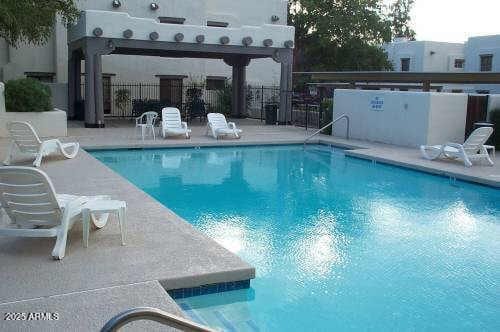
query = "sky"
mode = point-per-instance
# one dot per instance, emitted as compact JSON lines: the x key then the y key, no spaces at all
{"x":455,"y":20}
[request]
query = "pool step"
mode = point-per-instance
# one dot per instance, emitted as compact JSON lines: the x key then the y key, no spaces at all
{"x":228,"y":318}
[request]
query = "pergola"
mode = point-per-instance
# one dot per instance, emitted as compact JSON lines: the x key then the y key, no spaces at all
{"x":424,"y":80}
{"x":99,"y":33}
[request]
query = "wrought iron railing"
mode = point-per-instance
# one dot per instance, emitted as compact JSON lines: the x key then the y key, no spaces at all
{"x":128,"y":100}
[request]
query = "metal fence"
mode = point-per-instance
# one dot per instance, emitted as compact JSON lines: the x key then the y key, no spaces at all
{"x":128,"y":100}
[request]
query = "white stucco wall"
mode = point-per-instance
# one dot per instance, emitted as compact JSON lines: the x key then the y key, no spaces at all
{"x":425,"y":56}
{"x":405,"y":119}
{"x":477,"y":46}
{"x":440,"y":57}
{"x":398,"y":50}
{"x":53,"y":56}
{"x":46,"y":124}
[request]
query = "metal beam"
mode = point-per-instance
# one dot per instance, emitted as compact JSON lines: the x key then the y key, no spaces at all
{"x":406,"y":77}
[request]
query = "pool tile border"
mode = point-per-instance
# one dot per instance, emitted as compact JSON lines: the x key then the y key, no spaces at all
{"x":181,"y":293}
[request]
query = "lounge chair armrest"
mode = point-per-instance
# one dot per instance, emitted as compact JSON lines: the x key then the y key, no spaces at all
{"x":231,"y":125}
{"x":184,"y":125}
{"x":454,"y":145}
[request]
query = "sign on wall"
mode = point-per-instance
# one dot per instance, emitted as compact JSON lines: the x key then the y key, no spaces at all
{"x":377,"y":104}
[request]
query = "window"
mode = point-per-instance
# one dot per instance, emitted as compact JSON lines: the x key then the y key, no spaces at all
{"x":217,"y":24}
{"x":172,"y":20}
{"x":459,"y":63}
{"x":405,"y":64}
{"x":486,"y":62}
{"x":216,"y":83}
{"x":42,"y":77}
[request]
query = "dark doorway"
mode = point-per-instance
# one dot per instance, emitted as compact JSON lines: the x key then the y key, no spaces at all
{"x":171,"y":92}
{"x":477,"y":109}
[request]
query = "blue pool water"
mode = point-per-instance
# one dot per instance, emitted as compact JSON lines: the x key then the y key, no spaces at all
{"x":338,"y":243}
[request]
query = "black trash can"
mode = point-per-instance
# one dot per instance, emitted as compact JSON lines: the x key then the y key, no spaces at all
{"x":487,"y":124}
{"x":271,"y":114}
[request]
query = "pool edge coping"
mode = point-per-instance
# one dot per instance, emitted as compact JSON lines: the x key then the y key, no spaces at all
{"x":352,"y":150}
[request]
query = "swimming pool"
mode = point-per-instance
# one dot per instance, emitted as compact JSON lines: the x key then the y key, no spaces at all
{"x":338,"y":243}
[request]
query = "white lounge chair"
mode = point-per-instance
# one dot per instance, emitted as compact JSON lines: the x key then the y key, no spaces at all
{"x":35,"y":210}
{"x":217,"y":126}
{"x":26,"y":141}
{"x":473,"y":148}
{"x":171,"y":123}
{"x":146,"y":122}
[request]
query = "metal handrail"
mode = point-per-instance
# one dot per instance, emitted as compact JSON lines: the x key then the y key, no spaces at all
{"x":153,"y":314}
{"x":343,"y":116}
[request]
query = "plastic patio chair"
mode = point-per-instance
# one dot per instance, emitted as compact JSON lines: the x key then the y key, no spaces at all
{"x":147,"y":122}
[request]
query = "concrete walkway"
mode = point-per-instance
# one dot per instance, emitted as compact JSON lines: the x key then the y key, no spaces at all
{"x":163,"y":251}
{"x":161,"y":247}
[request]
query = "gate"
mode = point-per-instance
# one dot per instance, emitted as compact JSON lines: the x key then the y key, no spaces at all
{"x":477,"y":109}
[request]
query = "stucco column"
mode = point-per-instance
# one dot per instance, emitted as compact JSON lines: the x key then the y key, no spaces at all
{"x":71,"y":85}
{"x":74,"y":82}
{"x":235,"y":93}
{"x":285,"y":57}
{"x":60,"y":37}
{"x":238,"y":95}
{"x":99,"y":99}
{"x":94,"y":108}
{"x":90,"y":102}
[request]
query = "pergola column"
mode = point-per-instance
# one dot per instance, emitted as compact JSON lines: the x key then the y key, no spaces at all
{"x":94,"y":107}
{"x":90,"y":95}
{"x":285,"y":57}
{"x":74,"y":81}
{"x":238,"y":96}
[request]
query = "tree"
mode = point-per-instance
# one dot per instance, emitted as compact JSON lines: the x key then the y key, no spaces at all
{"x":340,"y":35}
{"x":400,"y":16}
{"x":33,"y":21}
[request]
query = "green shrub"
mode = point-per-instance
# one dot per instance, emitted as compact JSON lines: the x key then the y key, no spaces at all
{"x":495,"y":119}
{"x":27,"y":95}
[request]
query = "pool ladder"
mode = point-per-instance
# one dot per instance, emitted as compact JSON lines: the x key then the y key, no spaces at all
{"x":153,"y":314}
{"x":343,"y":116}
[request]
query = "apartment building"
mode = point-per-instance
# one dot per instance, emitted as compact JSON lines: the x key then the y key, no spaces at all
{"x":478,"y":54}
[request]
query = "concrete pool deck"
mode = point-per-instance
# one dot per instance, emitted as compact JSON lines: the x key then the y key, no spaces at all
{"x":91,"y":285}
{"x":161,"y":249}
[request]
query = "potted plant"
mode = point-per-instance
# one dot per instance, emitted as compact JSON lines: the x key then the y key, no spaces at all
{"x":122,"y":99}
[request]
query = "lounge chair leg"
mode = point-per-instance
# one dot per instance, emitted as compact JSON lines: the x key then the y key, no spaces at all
{"x":86,"y":227}
{"x":121,"y":219}
{"x":60,"y":247}
{"x":467,"y":161}
{"x":39,"y":156}
{"x":8,"y":159}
